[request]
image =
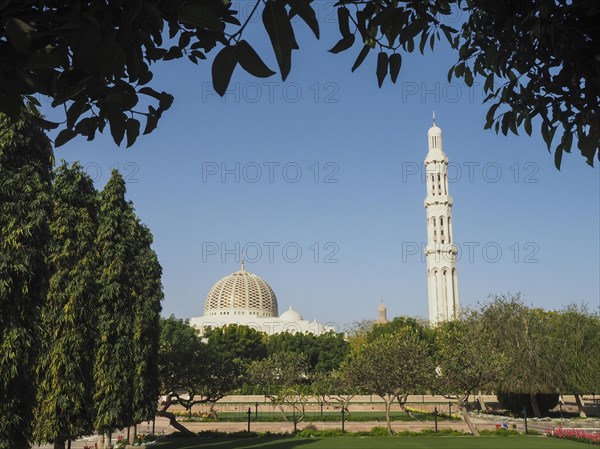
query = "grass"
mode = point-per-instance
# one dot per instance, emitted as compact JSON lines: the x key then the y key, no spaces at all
{"x":421,"y":442}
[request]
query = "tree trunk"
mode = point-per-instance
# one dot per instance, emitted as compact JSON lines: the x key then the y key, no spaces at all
{"x":388,"y":405}
{"x":402,"y":404}
{"x":535,"y":406}
{"x":282,"y":410}
{"x":108,"y":441}
{"x":131,"y":435}
{"x":69,"y":445}
{"x":482,"y":402}
{"x":580,"y":406}
{"x":59,"y":444}
{"x":212,"y":412}
{"x":465,"y":416}
{"x":346,"y":404}
{"x":100,"y":439}
{"x":173,"y":422}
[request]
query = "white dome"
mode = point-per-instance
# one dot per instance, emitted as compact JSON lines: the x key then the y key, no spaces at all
{"x":435,"y":130}
{"x":291,"y":315}
{"x":241,"y":293}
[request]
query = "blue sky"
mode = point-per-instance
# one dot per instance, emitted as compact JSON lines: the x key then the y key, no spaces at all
{"x":319,"y":180}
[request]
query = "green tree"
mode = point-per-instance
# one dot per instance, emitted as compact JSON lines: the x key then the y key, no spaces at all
{"x":25,"y":174}
{"x":180,"y":356}
{"x":284,"y":378}
{"x":221,"y":376}
{"x":237,"y":342}
{"x":190,"y":371}
{"x":64,"y":396}
{"x":332,"y":349}
{"x":400,"y":324}
{"x":147,"y":295}
{"x":114,"y":361}
{"x":357,"y":333}
{"x":325,"y":352}
{"x":538,"y":57}
{"x":334,"y":387}
{"x":525,"y":336}
{"x":391,"y":367}
{"x":467,"y":361}
{"x":576,"y":336}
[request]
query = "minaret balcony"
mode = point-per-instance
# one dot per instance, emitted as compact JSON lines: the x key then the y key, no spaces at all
{"x":438,"y":199}
{"x":441,"y":248}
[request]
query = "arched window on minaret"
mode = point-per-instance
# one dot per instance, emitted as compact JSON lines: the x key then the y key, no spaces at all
{"x":447,"y":290}
{"x":433,"y":184}
{"x":439,"y":185}
{"x":449,"y":229}
{"x":434,"y":230}
{"x":445,"y":184}
{"x":436,"y":281}
{"x":455,"y":292}
{"x":442,"y":297}
{"x":442,"y":229}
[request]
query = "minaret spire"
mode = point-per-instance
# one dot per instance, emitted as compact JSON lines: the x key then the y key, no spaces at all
{"x":433,"y":118}
{"x":242,"y":262}
{"x":440,"y":252}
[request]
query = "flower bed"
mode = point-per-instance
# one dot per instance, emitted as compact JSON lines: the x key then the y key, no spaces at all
{"x":580,"y":436}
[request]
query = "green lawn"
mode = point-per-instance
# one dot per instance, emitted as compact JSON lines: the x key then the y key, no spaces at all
{"x":288,"y":442}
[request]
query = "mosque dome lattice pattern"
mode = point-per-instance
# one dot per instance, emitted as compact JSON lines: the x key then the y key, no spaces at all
{"x":241,"y":293}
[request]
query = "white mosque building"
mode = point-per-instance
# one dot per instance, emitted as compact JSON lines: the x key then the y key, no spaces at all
{"x":244,"y":298}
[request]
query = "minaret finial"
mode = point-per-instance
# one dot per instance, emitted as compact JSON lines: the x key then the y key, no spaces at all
{"x":433,"y":118}
{"x":242,"y":262}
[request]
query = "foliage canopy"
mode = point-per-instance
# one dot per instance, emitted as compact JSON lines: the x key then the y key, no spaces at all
{"x":64,"y":409}
{"x":25,"y":210}
{"x":539,"y":58}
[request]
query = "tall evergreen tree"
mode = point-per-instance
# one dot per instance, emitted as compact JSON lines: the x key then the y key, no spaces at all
{"x":114,"y":360}
{"x":148,"y":295}
{"x":64,"y":410}
{"x":25,"y":176}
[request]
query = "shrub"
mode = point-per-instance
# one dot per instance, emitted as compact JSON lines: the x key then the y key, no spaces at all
{"x":378,"y":431}
{"x":310,"y":433}
{"x":516,"y":401}
{"x":219,"y":434}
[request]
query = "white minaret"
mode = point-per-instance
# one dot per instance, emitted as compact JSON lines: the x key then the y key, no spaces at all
{"x":440,"y":251}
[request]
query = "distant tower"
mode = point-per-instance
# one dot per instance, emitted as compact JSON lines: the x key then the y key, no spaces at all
{"x":440,"y":251}
{"x":382,"y":313}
